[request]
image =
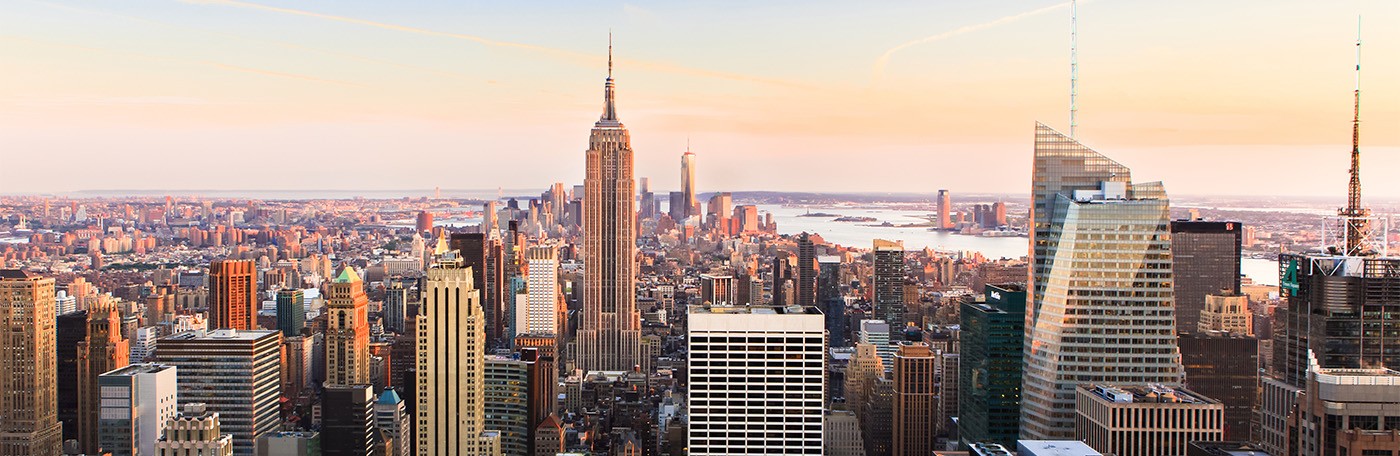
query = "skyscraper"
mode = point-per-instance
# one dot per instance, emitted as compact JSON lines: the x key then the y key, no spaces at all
{"x":507,"y":402}
{"x":989,"y":368}
{"x":887,"y":285}
{"x":609,"y":333}
{"x":103,"y":350}
{"x":830,"y":300}
{"x":1205,"y":261}
{"x":916,"y":400}
{"x":688,"y":182}
{"x":945,"y":208}
{"x":541,"y":311}
{"x":347,"y":331}
{"x":232,"y":294}
{"x":197,"y":431}
{"x":1101,"y":284}
{"x":1336,"y":307}
{"x":772,"y":409}
{"x":395,"y":308}
{"x":30,"y":425}
{"x":139,"y":399}
{"x":1145,"y":420}
{"x":291,"y":312}
{"x":72,"y":330}
{"x":806,"y":271}
{"x":348,"y":420}
{"x":245,"y":398}
{"x":451,"y":375}
{"x":391,"y":416}
{"x":475,"y":250}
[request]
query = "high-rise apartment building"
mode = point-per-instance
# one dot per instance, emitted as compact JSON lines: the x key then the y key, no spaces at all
{"x":915,"y":400}
{"x":750,"y":393}
{"x":27,"y":370}
{"x":451,"y":373}
{"x":424,"y":221}
{"x":1205,"y":261}
{"x":989,"y":369}
{"x":1145,"y":420}
{"x":347,"y":331}
{"x":291,"y":311}
{"x":1101,"y":284}
{"x":887,"y":286}
{"x":137,"y":400}
{"x":246,"y":398}
{"x":688,"y":183}
{"x":197,"y":431}
{"x":232,"y":295}
{"x":103,"y":350}
{"x":609,"y":333}
{"x":541,"y":312}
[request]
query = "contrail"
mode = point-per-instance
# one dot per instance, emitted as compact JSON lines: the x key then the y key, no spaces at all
{"x":879,"y":70}
{"x":576,"y":57}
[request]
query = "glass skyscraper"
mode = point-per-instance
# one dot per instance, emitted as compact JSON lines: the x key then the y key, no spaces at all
{"x":1101,"y":282}
{"x":989,"y":371}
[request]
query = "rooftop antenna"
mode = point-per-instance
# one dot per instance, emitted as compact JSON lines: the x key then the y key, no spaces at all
{"x":1073,"y":66}
{"x":609,"y":53}
{"x":1357,"y":218}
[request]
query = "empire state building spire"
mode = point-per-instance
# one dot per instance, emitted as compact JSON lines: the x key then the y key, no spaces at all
{"x":609,"y":106}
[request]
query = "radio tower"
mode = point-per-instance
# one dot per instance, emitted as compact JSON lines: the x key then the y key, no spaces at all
{"x":1073,"y":65}
{"x":1357,"y":218}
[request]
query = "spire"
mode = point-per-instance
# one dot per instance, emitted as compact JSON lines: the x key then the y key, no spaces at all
{"x":1357,"y":218}
{"x":609,"y":108}
{"x":1073,"y":66}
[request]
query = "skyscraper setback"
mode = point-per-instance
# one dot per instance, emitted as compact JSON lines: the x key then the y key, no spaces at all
{"x":1101,"y":283}
{"x":609,"y":333}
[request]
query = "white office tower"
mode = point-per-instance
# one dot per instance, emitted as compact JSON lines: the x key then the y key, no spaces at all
{"x":451,"y":372}
{"x":541,"y":309}
{"x":757,"y":382}
{"x":137,"y":400}
{"x":877,"y":334}
{"x":1101,"y":273}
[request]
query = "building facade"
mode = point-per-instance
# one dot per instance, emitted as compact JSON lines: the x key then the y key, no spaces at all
{"x":1205,"y":261}
{"x":1145,"y":420}
{"x":989,"y":372}
{"x":291,"y":311}
{"x":195,"y":432}
{"x":27,"y":371}
{"x":233,"y":290}
{"x":137,"y":401}
{"x":915,"y":402}
{"x":451,"y":373}
{"x":887,"y":286}
{"x":246,"y":399}
{"x":347,"y":331}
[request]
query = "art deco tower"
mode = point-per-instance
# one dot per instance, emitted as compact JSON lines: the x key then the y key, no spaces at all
{"x":27,"y":379}
{"x":103,"y":350}
{"x":347,"y":331}
{"x":608,"y":336}
{"x":451,"y":371}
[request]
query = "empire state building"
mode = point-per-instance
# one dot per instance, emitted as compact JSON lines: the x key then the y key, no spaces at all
{"x":609,"y":334}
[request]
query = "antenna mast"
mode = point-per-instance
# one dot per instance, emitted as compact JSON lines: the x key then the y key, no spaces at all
{"x":1073,"y":66}
{"x":1357,"y":218}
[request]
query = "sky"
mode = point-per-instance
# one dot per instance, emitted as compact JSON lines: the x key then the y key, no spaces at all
{"x":1227,"y":98}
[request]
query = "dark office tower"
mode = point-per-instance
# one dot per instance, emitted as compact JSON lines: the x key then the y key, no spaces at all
{"x":989,"y":367}
{"x":887,"y":285}
{"x":425,"y":221}
{"x":475,"y":251}
{"x":72,"y":329}
{"x":782,"y":279}
{"x":395,"y":308}
{"x":542,"y":378}
{"x":291,"y":312}
{"x":103,"y":350}
{"x":915,"y":400}
{"x":676,"y":209}
{"x":27,"y":368}
{"x":830,"y":300}
{"x":1100,"y":248}
{"x":609,"y":334}
{"x":688,"y":182}
{"x":246,"y":397}
{"x":806,"y":271}
{"x":1224,"y":367}
{"x":1205,"y":260}
{"x":232,"y":293}
{"x":945,"y":208}
{"x":347,"y":421}
{"x":647,"y":199}
{"x":1342,"y":308}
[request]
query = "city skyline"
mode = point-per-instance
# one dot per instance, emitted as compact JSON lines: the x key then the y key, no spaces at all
{"x":260,"y":80}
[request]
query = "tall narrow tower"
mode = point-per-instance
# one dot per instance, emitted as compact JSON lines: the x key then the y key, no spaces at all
{"x":27,"y":369}
{"x":347,"y":331}
{"x":1356,"y":218}
{"x":688,"y":182}
{"x":609,"y":335}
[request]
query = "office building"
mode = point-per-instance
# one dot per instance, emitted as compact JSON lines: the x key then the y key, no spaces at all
{"x":137,"y":400}
{"x":1331,"y":305}
{"x":806,"y":273}
{"x":485,"y":258}
{"x":1145,"y":420}
{"x":291,"y":311}
{"x":887,"y":286}
{"x":841,"y":434}
{"x":507,"y":403}
{"x":299,"y":352}
{"x":829,"y":298}
{"x":391,"y":416}
{"x":103,"y":350}
{"x":609,"y":333}
{"x":688,"y":185}
{"x":1225,"y":448}
{"x":1224,"y":367}
{"x":232,"y":294}
{"x":289,"y":443}
{"x":347,"y":331}
{"x":541,"y":312}
{"x":27,"y":369}
{"x":1054,"y":448}
{"x":718,"y":289}
{"x":451,"y":373}
{"x":864,"y":368}
{"x":1227,"y":313}
{"x":246,"y":399}
{"x":197,"y":431}
{"x":1205,"y":261}
{"x":541,"y":380}
{"x":395,"y":308}
{"x":1097,"y":314}
{"x":72,"y":330}
{"x":424,"y":221}
{"x":347,"y":418}
{"x":945,"y":210}
{"x":989,"y":370}
{"x":1343,"y":411}
{"x":749,"y":393}
{"x":915,"y":402}
{"x":877,"y":334}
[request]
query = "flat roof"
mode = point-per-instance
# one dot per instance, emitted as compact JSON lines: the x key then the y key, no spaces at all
{"x":1149,"y":394}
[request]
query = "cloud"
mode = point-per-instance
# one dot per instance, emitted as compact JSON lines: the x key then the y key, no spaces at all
{"x":879,"y":71}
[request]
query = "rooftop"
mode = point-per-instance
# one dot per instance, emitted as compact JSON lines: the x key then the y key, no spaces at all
{"x":222,"y":334}
{"x":756,"y":310}
{"x":136,"y":369}
{"x":1158,"y":394}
